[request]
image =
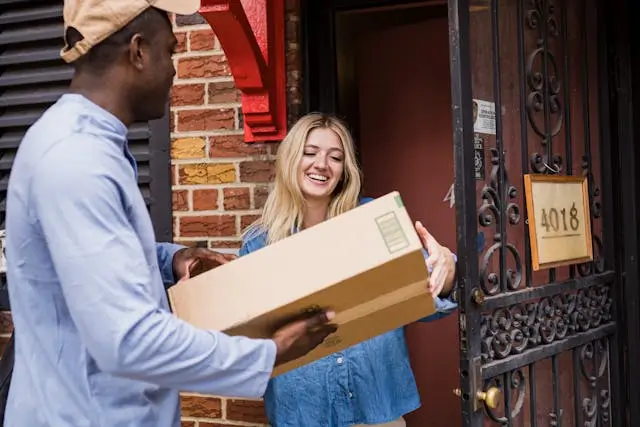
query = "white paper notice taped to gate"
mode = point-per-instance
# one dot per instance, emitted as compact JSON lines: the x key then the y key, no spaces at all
{"x":484,"y":117}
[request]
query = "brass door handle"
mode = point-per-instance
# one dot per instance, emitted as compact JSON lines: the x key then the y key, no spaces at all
{"x":491,"y":397}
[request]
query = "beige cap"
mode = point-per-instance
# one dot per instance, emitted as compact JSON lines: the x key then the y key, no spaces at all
{"x":98,"y":19}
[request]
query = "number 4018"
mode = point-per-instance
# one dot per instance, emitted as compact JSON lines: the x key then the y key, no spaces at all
{"x":552,"y":220}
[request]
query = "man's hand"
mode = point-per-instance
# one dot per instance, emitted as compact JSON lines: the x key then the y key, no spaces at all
{"x":439,"y":262}
{"x":300,"y":337}
{"x":190,"y":262}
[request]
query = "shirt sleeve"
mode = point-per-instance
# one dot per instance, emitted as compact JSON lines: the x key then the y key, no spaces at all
{"x":108,"y":288}
{"x":165,"y":252}
{"x":444,"y":306}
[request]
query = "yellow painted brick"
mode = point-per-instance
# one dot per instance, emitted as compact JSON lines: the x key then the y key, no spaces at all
{"x":188,"y":148}
{"x":207,"y":173}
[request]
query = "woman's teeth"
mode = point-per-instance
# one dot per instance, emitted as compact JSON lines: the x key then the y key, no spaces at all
{"x":320,"y":178}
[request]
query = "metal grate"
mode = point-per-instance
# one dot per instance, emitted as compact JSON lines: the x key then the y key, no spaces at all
{"x":33,"y":77}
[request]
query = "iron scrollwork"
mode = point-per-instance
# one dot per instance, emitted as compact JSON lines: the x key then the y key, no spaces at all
{"x":512,"y":330}
{"x":514,"y":384}
{"x":598,"y":264}
{"x":543,"y":85}
{"x":495,"y":209}
{"x":593,"y":365}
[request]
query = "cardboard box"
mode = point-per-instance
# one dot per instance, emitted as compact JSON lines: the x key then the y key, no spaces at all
{"x":366,"y":264}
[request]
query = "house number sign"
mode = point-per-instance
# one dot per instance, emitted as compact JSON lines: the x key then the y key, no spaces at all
{"x":559,"y":220}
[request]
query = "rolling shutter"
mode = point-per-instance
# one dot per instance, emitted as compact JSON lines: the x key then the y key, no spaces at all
{"x":33,"y":77}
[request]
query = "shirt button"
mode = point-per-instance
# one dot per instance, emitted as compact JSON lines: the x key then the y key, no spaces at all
{"x":339,"y":360}
{"x":350,"y":395}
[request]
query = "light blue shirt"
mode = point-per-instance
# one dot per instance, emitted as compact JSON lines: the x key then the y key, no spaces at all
{"x":368,"y":383}
{"x":96,"y":344}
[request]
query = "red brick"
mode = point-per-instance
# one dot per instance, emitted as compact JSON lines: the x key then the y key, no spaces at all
{"x":206,"y":424}
{"x":233,"y":146}
{"x":247,"y":220}
{"x":260,"y":194}
{"x":189,"y":94}
{"x":6,"y":322}
{"x":257,"y":171}
{"x":251,"y":411}
{"x":225,"y":244}
{"x":173,"y":174}
{"x":188,"y":424}
{"x":203,"y":66}
{"x":172,"y":121}
{"x":205,"y":200}
{"x":273,"y":147}
{"x":203,"y":120}
{"x":200,"y":406}
{"x":223,"y":92}
{"x":180,"y":200}
{"x":236,"y":198}
{"x":194,"y":19}
{"x":192,"y":243}
{"x":208,"y":226}
{"x":181,"y":47}
{"x":202,"y":40}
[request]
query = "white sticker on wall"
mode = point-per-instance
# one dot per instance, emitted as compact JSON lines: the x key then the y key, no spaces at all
{"x":484,"y":117}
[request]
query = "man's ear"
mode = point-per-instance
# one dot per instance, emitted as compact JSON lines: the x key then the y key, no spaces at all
{"x":135,"y":52}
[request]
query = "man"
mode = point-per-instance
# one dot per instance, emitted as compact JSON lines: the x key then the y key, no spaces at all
{"x":96,"y":344}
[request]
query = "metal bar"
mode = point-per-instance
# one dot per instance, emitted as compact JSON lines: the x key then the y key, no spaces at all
{"x":532,"y":396}
{"x":22,"y":56}
{"x":498,"y":367}
{"x":524,"y":134}
{"x":567,"y":104}
{"x":465,"y":193}
{"x":586,"y":111}
{"x":576,"y":389}
{"x":57,"y":73}
{"x":497,"y":97}
{"x":556,"y":391}
{"x":506,"y":378}
{"x":32,"y":34}
{"x":613,"y":251}
{"x":160,"y":183}
{"x":498,"y":301}
{"x":626,"y":63}
{"x":567,"y":93}
{"x":596,"y":372}
{"x":545,"y":83}
{"x":546,"y":99}
{"x":31,"y":14}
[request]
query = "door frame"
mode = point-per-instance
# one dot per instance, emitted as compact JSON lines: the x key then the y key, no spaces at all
{"x":618,"y":74}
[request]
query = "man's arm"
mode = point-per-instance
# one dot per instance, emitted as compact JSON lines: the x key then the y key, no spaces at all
{"x":107,"y":285}
{"x":165,"y":252}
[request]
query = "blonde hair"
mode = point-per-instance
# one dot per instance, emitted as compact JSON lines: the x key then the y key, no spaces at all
{"x":284,"y":208}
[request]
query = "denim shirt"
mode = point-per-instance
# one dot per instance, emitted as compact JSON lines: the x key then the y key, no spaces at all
{"x":368,"y":383}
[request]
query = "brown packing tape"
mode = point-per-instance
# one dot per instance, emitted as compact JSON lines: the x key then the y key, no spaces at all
{"x":399,"y":308}
{"x":380,"y":303}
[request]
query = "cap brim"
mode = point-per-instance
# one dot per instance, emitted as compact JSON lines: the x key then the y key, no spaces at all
{"x":181,"y":7}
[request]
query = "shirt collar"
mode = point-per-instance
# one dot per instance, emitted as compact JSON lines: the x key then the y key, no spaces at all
{"x":99,"y":116}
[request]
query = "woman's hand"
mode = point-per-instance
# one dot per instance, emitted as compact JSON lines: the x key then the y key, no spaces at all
{"x":439,"y":262}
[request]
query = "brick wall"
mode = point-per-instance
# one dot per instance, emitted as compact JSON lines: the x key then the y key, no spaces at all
{"x":219,"y":182}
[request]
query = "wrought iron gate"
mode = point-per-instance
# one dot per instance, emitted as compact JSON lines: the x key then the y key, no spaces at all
{"x":537,"y":348}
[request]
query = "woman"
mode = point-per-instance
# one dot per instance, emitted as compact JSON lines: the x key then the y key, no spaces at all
{"x":317,"y":177}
